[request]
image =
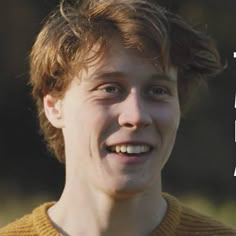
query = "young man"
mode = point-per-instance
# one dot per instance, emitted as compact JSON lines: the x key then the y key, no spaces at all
{"x":111,"y":79}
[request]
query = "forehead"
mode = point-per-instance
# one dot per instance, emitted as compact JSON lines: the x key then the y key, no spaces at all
{"x":117,"y":59}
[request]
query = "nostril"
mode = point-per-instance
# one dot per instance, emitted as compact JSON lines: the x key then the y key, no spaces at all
{"x":129,"y":125}
{"x":135,"y":125}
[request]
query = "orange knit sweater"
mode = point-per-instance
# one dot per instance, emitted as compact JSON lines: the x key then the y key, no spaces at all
{"x":179,"y":221}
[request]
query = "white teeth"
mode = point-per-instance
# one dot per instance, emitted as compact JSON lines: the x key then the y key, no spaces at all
{"x":144,"y":149}
{"x":123,"y":148}
{"x":130,"y":148}
{"x":117,"y":148}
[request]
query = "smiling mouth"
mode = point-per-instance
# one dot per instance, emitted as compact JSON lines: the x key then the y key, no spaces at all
{"x":130,"y":149}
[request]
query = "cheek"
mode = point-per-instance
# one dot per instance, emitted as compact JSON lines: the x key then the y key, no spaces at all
{"x":96,"y":122}
{"x":168,"y":118}
{"x":168,"y":123}
{"x":88,"y":122}
{"x":103,"y":122}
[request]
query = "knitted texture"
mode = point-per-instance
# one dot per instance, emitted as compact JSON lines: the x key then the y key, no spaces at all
{"x":178,"y":221}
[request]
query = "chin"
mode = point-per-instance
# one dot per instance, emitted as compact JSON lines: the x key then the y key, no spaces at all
{"x":126,"y":189}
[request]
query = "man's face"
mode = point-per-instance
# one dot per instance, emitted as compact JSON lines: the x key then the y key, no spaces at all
{"x":120,"y":123}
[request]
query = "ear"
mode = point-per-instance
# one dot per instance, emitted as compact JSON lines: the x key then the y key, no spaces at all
{"x":53,"y":111}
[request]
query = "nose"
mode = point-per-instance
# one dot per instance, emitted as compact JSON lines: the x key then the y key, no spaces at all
{"x":134,"y":114}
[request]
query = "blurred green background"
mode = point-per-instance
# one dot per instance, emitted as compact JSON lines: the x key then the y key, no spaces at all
{"x":202,"y":164}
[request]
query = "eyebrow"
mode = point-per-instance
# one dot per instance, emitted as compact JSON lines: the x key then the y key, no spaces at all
{"x":107,"y":75}
{"x":117,"y":74}
{"x":162,"y":76}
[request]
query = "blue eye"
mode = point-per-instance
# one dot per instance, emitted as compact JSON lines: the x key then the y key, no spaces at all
{"x":157,"y":91}
{"x":111,"y":89}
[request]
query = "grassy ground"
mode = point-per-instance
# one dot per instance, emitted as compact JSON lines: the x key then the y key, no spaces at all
{"x":12,"y":208}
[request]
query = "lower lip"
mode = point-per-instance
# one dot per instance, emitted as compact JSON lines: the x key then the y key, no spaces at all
{"x":134,"y":159}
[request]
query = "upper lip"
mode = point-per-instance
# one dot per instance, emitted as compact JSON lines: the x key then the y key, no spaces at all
{"x":129,"y":142}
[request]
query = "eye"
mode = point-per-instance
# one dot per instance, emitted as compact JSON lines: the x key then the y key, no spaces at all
{"x":110,"y":89}
{"x":157,"y":91}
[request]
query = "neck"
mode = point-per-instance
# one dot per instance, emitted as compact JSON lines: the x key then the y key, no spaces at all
{"x":94,"y":213}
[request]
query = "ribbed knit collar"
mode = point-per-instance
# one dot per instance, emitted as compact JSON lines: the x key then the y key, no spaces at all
{"x":167,"y":227}
{"x":41,"y":221}
{"x":171,"y":220}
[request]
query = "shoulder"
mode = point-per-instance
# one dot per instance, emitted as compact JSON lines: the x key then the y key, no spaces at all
{"x":191,"y":222}
{"x":22,"y":226}
{"x":34,"y":224}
